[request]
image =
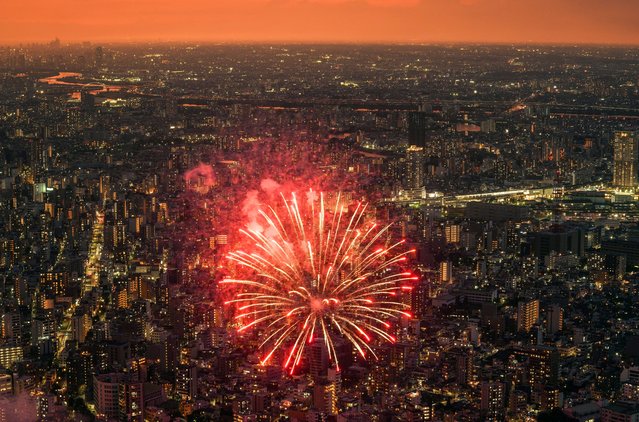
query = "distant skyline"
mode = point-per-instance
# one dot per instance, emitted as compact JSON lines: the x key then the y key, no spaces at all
{"x":343,"y":21}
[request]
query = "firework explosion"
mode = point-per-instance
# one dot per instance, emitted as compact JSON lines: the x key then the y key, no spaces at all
{"x":317,"y":270}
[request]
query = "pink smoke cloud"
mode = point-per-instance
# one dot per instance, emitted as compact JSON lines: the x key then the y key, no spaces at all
{"x":311,"y":196}
{"x":21,"y":408}
{"x":250,"y":208}
{"x":202,"y":175}
{"x":269,"y":186}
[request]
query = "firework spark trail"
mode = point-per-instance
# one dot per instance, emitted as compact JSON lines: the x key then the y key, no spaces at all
{"x":318,"y":273}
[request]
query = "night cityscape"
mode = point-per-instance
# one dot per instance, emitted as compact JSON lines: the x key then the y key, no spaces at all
{"x":335,"y":231}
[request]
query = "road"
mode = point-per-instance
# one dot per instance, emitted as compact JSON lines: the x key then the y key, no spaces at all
{"x":90,"y":280}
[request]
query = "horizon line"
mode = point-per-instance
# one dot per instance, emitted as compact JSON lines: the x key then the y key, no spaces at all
{"x":316,"y":42}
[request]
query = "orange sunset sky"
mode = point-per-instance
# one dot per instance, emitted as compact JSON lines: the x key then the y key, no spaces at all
{"x":509,"y":21}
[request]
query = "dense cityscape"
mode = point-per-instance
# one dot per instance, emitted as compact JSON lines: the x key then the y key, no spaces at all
{"x":508,"y":175}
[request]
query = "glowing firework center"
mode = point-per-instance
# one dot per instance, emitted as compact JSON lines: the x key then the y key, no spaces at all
{"x":320,"y":305}
{"x":318,"y":271}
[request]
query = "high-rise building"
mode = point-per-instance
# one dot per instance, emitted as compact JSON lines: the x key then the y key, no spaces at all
{"x":414,"y":172}
{"x":630,"y":374}
{"x":630,"y":384}
{"x":452,"y":232}
{"x":80,"y":326}
{"x":6,"y":384}
{"x":417,"y":123}
{"x":562,"y":239}
{"x":492,"y":319}
{"x":42,"y":330}
{"x":446,"y":271}
{"x":106,"y":394}
{"x":493,"y":394}
{"x":55,"y":282}
{"x":318,"y":358}
{"x":80,"y":368}
{"x":620,"y":412}
{"x":325,"y":397}
{"x":44,"y":403}
{"x":541,"y":363}
{"x":527,"y":315}
{"x":242,"y":410}
{"x":131,"y":401}
{"x":12,"y":326}
{"x":117,"y":396}
{"x":99,"y":55}
{"x":548,"y":398}
{"x":464,"y":367}
{"x":380,"y":375}
{"x":488,"y":126}
{"x":630,"y":392}
{"x":419,"y":299}
{"x":9,"y":355}
{"x":186,"y":381}
{"x":626,"y":156}
{"x":615,"y":266}
{"x":554,"y":319}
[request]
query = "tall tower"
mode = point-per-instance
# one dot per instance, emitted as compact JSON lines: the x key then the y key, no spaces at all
{"x":555,"y":319}
{"x":626,"y":158}
{"x":99,"y":56}
{"x":493,"y":394}
{"x":417,"y":123}
{"x":446,"y":271}
{"x":325,"y":397}
{"x":318,"y":358}
{"x":464,"y":366}
{"x":414,"y":168}
{"x":527,"y":315}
